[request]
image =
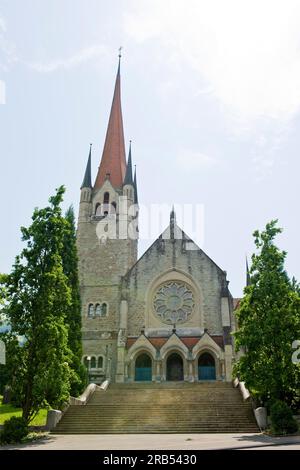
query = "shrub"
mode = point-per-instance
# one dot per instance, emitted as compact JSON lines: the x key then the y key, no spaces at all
{"x":282,"y":420}
{"x":14,"y":430}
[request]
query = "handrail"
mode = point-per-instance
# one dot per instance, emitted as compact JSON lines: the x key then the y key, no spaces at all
{"x":242,"y":388}
{"x":259,"y":413}
{"x":86,"y":395}
{"x":54,"y":416}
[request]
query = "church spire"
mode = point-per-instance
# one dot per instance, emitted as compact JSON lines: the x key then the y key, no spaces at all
{"x":172,"y":223}
{"x":87,"y":180}
{"x":113,"y":162}
{"x":136,"y":199}
{"x":128,"y":177}
{"x":172,"y":216}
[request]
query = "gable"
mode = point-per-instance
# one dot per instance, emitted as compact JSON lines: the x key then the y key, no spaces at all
{"x":184,"y":245}
{"x":169,"y":264}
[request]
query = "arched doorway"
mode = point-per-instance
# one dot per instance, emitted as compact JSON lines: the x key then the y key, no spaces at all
{"x":206,"y":367}
{"x":174,"y":367}
{"x":143,"y":368}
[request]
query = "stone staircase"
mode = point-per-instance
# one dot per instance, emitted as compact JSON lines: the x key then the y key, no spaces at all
{"x":170,"y":407}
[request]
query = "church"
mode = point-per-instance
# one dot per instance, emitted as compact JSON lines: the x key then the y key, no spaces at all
{"x":167,"y":316}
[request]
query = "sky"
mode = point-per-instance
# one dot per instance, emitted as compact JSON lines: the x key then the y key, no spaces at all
{"x":210,"y":98}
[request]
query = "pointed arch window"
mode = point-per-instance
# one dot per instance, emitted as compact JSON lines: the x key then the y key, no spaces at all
{"x":104,"y":309}
{"x":91,"y":310}
{"x":93,"y":362}
{"x":98,"y":310}
{"x":106,"y":198}
{"x":86,"y":362}
{"x":100,"y":362}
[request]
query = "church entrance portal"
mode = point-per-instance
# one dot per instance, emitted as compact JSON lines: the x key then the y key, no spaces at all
{"x":206,"y":367}
{"x":143,"y":368}
{"x":174,"y":367}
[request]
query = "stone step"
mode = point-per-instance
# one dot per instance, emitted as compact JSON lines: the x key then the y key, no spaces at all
{"x":162,"y":430}
{"x":111,"y":409}
{"x":144,"y":385}
{"x":161,"y":408}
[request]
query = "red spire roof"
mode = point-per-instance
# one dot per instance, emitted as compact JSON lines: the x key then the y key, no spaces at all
{"x":113,"y":162}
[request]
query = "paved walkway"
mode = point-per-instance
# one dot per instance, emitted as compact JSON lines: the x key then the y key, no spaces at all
{"x":161,"y":442}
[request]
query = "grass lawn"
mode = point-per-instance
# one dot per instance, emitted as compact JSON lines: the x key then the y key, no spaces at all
{"x":7,"y":411}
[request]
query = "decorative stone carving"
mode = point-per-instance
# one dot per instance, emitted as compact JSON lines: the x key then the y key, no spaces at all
{"x":122,"y":337}
{"x":173,"y":302}
{"x":106,"y":335}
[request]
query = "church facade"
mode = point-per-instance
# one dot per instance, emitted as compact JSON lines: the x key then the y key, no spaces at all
{"x":167,"y":316}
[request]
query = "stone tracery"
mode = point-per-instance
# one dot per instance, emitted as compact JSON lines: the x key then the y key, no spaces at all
{"x":173,"y":302}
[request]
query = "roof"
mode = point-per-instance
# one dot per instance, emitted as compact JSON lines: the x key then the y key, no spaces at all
{"x":128,"y":176}
{"x":113,"y":161}
{"x":87,"y":180}
{"x":172,"y":231}
{"x":188,"y":341}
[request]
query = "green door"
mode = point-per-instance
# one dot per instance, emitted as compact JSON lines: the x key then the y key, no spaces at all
{"x":143,"y":368}
{"x":206,"y":367}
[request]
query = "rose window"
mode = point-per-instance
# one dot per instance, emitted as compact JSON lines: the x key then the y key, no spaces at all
{"x":173,"y":302}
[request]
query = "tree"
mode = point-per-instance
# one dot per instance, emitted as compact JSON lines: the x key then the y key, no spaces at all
{"x":73,"y":312}
{"x":39,"y":298}
{"x":4,"y":369}
{"x":3,"y":297}
{"x":268,"y":323}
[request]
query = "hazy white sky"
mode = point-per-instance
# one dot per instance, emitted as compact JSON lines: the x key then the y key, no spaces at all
{"x":211,"y":101}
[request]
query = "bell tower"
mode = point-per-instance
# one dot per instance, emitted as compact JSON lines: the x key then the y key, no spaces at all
{"x":107,"y":244}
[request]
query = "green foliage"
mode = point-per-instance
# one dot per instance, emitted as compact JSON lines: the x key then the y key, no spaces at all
{"x":8,"y":370}
{"x":14,"y":430}
{"x":4,"y":369}
{"x":268,"y":322}
{"x":9,"y":410}
{"x":73,"y":312}
{"x":39,"y":298}
{"x":282,"y":420}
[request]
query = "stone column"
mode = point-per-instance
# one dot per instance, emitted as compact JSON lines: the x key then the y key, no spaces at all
{"x":122,"y":338}
{"x":222,"y":369}
{"x":126,"y":372}
{"x":191,"y":371}
{"x":225,"y":312}
{"x":228,"y":362}
{"x":157,"y":365}
{"x":123,"y":314}
{"x":109,"y":368}
{"x":120,"y":375}
{"x":227,"y":338}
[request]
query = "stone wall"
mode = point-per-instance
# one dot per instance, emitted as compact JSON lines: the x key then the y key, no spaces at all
{"x":167,"y":259}
{"x":101,"y":267}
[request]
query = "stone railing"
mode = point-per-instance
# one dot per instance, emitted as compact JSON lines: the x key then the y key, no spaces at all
{"x":260,"y":413}
{"x":54,"y":416}
{"x":242,"y":388}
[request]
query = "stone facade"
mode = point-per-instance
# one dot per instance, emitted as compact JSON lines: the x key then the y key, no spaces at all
{"x":166,"y":316}
{"x":174,"y":299}
{"x":102,"y":264}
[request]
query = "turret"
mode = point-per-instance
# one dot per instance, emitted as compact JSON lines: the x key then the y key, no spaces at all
{"x":128,"y":185}
{"x":85,"y":206}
